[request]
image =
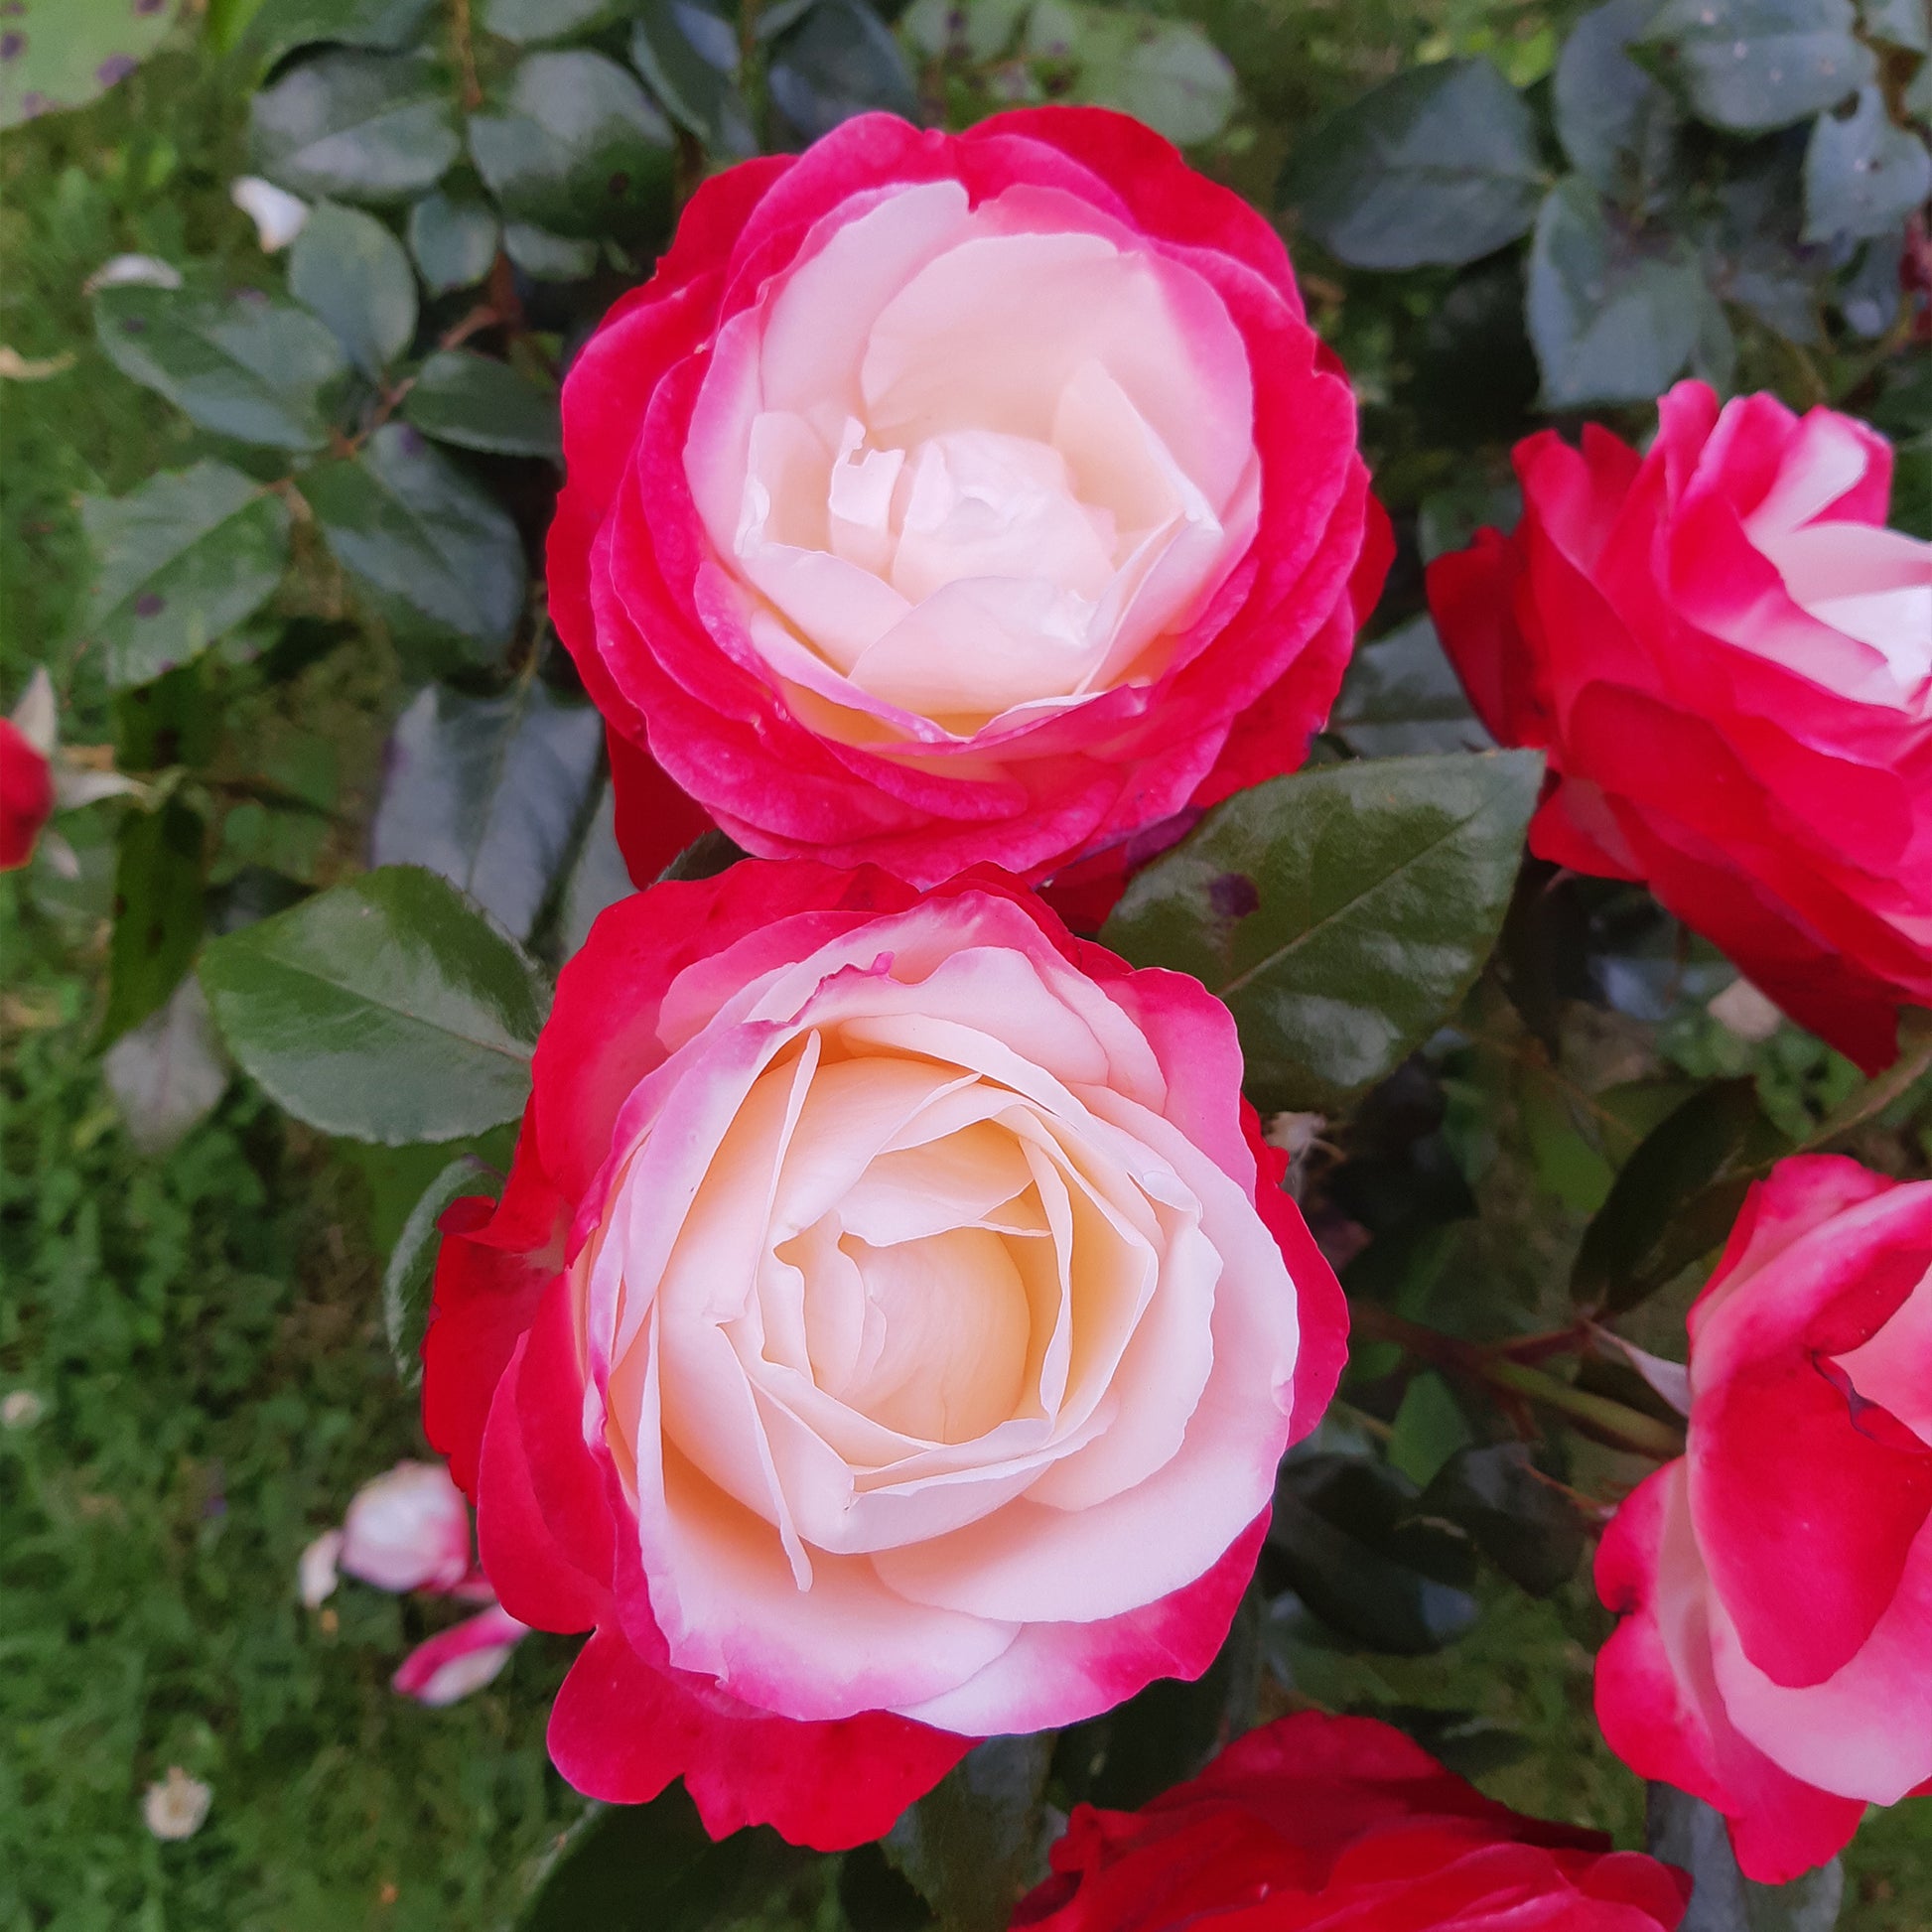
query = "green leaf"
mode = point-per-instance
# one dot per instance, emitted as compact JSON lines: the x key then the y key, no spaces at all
{"x":281,"y":26}
{"x":1430,"y":1426}
{"x":353,"y":127}
{"x":1437,"y":165}
{"x":488,"y":791}
{"x":548,"y":257}
{"x":159,"y":904}
{"x":166,"y":1075}
{"x":408,"y":1279}
{"x":1616,"y":122}
{"x":182,"y":559}
{"x":688,"y":52}
{"x":438,"y":551}
{"x":480,"y":403}
{"x":388,"y":1009}
{"x":248,"y":369}
{"x":1402,"y":697}
{"x":530,"y":22}
{"x":1863,"y":175}
{"x":971,"y":1844}
{"x":1166,"y":73}
{"x":598,"y":879}
{"x":840,"y":60}
{"x":1753,"y":65}
{"x":1898,"y":23}
{"x":453,"y":240}
{"x":579,"y":148}
{"x":709,"y":854}
{"x":1341,"y":913}
{"x":1527,"y":1527}
{"x":1346,"y":1535}
{"x":1613,"y":319}
{"x":352,"y":272}
{"x":63,"y":53}
{"x":652,"y":1869}
{"x":1665,"y":1208}
{"x":1686,"y":1832}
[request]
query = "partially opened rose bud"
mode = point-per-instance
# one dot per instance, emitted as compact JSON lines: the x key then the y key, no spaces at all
{"x":1728,"y":658}
{"x":887,"y":1338}
{"x":27,"y":794}
{"x":462,"y":1659}
{"x":408,"y":1530}
{"x":947,"y":498}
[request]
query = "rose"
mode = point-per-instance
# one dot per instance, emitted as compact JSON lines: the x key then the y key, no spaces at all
{"x":946,"y":498}
{"x":1775,"y":1657}
{"x":1728,"y":660}
{"x":1314,"y":1822}
{"x":888,"y":1337}
{"x":25,"y":795}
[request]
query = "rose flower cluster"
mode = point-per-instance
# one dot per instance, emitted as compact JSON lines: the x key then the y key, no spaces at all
{"x":894,"y":1319}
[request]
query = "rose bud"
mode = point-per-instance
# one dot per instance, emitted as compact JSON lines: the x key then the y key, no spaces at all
{"x":1728,"y":660}
{"x":1775,"y":1654}
{"x":26,"y":794}
{"x":1316,"y":1822}
{"x":886,"y":1338}
{"x":947,"y":498}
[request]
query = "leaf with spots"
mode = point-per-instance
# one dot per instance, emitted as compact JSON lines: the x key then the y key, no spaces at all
{"x":56,"y":54}
{"x":183,"y":560}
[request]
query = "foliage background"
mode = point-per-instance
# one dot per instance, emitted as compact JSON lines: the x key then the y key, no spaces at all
{"x":205,"y":1330}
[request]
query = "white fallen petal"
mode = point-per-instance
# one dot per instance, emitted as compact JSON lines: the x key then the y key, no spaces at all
{"x":177,"y":1807}
{"x":22,"y":1409}
{"x":316,"y":1573}
{"x":1742,"y":1009}
{"x":278,"y":216}
{"x":119,"y":271}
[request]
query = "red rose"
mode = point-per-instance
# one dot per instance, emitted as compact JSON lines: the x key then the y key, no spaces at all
{"x":948,"y":499}
{"x":1728,"y":660}
{"x":25,"y":795}
{"x":1316,"y":1822}
{"x":1775,"y":1657}
{"x":887,"y":1338}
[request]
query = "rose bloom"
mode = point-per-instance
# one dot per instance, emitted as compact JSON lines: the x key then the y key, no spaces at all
{"x":25,"y":795}
{"x":947,"y":498}
{"x":886,"y":1338}
{"x":1775,"y":1657}
{"x":1728,"y":660}
{"x":1316,"y":1822}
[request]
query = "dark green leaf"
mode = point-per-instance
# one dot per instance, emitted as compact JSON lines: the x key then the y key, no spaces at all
{"x":249,"y":368}
{"x":688,"y":52}
{"x":1166,"y":73}
{"x":488,"y":791}
{"x":384,"y":25}
{"x":1863,"y":175}
{"x":1616,"y":122}
{"x":436,"y":549}
{"x":175,"y":720}
{"x":1527,"y":1527}
{"x":1437,"y":165}
{"x":598,"y":879}
{"x":159,"y":900}
{"x":352,"y":272}
{"x":1686,"y":1832}
{"x":168,"y":1073}
{"x":182,"y":559}
{"x":1643,"y":1235}
{"x":652,"y":1869}
{"x":411,"y":1273}
{"x":1341,"y":913}
{"x":62,"y":52}
{"x":1402,"y":696}
{"x":1347,"y":1537}
{"x":704,"y":858}
{"x":1898,"y":23}
{"x":387,"y":1008}
{"x":840,"y":60}
{"x":548,"y":257}
{"x":530,"y":22}
{"x":1430,"y":1426}
{"x":579,"y":148}
{"x":1756,"y":65}
{"x":1469,"y":1744}
{"x":876,"y":1898}
{"x":356,"y":127}
{"x":480,"y":403}
{"x":1613,"y":319}
{"x":972,"y":1845}
{"x":453,"y":240}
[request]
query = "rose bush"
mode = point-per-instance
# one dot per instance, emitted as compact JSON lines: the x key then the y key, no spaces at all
{"x":1315,"y":1821}
{"x":955,"y":499}
{"x":1775,"y":1657}
{"x":886,"y":1338}
{"x":1728,"y":660}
